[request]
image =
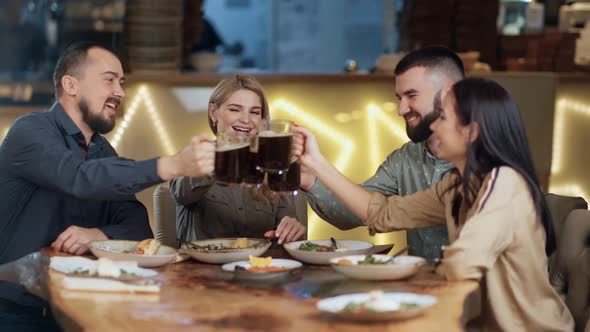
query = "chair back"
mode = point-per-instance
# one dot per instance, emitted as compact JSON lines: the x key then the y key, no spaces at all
{"x":569,"y":266}
{"x":165,"y":216}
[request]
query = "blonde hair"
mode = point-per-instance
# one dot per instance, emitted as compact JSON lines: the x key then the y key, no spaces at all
{"x":226,"y":87}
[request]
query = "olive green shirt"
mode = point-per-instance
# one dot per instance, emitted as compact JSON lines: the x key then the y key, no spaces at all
{"x":205,"y":210}
{"x":407,"y":170}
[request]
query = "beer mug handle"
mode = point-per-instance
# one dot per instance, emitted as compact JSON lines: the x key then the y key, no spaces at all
{"x":254,"y":143}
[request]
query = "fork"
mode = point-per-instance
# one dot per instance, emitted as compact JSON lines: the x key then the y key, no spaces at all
{"x":256,"y":244}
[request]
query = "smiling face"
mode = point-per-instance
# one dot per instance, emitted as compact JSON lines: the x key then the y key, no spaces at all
{"x":415,"y":91}
{"x":100,"y":90}
{"x":240,"y":113}
{"x":453,"y":138}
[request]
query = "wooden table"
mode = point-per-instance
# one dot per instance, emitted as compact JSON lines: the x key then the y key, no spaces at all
{"x":202,"y":297}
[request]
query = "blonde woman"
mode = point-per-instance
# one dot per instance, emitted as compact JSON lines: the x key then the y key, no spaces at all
{"x":206,"y":209}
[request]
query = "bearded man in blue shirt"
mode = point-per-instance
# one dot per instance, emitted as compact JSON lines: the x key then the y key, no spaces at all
{"x":61,"y":181}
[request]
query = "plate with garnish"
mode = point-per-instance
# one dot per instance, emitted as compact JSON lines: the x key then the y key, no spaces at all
{"x":103,"y":275}
{"x":378,"y":267}
{"x":321,"y":251}
{"x":262,"y":268}
{"x":147,"y":253}
{"x":376,"y":306}
{"x":225,"y":250}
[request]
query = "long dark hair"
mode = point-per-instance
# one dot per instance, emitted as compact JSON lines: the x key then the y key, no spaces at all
{"x":502,"y":141}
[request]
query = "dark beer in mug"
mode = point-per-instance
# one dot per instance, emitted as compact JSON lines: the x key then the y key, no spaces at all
{"x":285,"y":181}
{"x":274,"y":151}
{"x":254,"y":176}
{"x":231,"y":163}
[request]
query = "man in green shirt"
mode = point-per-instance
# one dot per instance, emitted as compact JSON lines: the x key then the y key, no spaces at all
{"x":420,"y":75}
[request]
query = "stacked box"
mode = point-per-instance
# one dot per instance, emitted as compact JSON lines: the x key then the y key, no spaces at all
{"x":475,"y":28}
{"x":431,"y":23}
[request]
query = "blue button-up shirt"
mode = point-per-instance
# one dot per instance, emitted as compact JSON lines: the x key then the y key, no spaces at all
{"x":47,"y":184}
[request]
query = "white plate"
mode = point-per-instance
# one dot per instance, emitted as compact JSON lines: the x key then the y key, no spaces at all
{"x":68,"y":265}
{"x":278,"y":262}
{"x":402,"y":267}
{"x":335,"y":306}
{"x":223,"y":256}
{"x":262,"y":276}
{"x":121,"y":250}
{"x":349,"y":247}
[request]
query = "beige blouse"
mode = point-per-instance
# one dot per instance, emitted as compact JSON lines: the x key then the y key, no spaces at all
{"x":499,"y":240}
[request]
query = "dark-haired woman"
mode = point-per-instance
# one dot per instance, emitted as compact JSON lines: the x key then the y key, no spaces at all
{"x":499,"y":226}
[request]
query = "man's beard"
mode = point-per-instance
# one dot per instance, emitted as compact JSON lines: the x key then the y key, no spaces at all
{"x":97,"y":123}
{"x":421,"y":132}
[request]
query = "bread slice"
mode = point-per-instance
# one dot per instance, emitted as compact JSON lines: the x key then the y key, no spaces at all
{"x":241,"y":242}
{"x":148,"y":247}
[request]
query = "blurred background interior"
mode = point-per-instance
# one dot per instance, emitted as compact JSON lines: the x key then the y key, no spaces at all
{"x":327,"y":64}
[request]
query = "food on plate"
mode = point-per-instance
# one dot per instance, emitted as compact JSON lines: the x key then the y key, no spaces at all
{"x":260,"y":264}
{"x":370,"y":260}
{"x":104,"y":268}
{"x":376,"y":303}
{"x":345,"y":262}
{"x":148,"y":247}
{"x":102,"y":275}
{"x":240,"y":243}
{"x":214,"y":246}
{"x":266,"y":269}
{"x":260,"y":261}
{"x":310,"y":246}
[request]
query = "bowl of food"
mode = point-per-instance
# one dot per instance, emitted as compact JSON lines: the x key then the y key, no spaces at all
{"x":322,"y":251}
{"x":147,"y":253}
{"x":225,"y":250}
{"x":377,"y":267}
{"x":376,"y":306}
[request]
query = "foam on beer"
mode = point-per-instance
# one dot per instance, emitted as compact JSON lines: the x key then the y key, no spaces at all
{"x":269,"y":133}
{"x":232,"y":147}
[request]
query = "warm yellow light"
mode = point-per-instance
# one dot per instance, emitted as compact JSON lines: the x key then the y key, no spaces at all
{"x":372,"y":110}
{"x":120,"y":129}
{"x":564,"y":107}
{"x":389,"y":107}
{"x":569,"y":190}
{"x":144,"y":97}
{"x":557,"y":138}
{"x":342,"y":117}
{"x":319,"y":128}
{"x":356,"y":115}
{"x":375,"y":118}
